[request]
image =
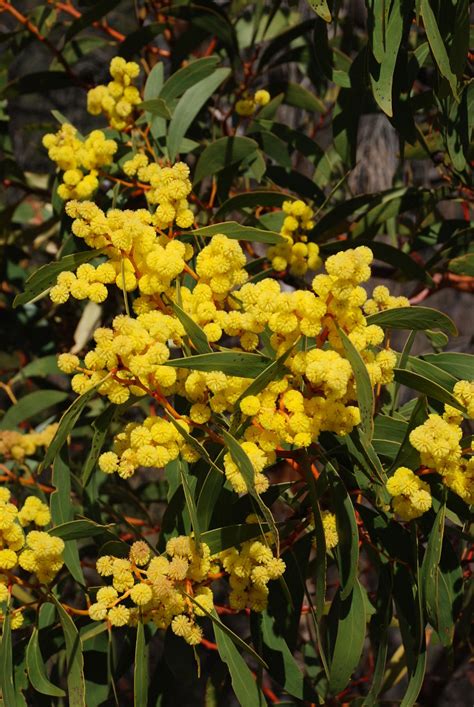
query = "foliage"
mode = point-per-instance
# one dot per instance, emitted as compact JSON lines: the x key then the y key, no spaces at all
{"x":254,"y":482}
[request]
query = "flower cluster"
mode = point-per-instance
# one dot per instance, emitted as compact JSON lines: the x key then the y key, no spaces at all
{"x":382,"y":300}
{"x":154,"y":443}
{"x":160,"y":589}
{"x":79,"y":160}
{"x":36,"y":552}
{"x":295,"y":253}
{"x":438,"y":441}
{"x":247,"y":106}
{"x":411,"y":495}
{"x":15,"y":445}
{"x":168,"y":190}
{"x":118,"y":98}
{"x":138,"y":257}
{"x":128,"y":358}
{"x":250,"y":569}
{"x":315,"y":394}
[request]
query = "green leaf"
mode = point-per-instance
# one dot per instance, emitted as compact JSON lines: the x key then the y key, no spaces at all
{"x":232,"y":229}
{"x":321,"y":8}
{"x":407,"y":455}
{"x":45,"y":277}
{"x":193,"y":442}
{"x":74,"y":658}
{"x":220,"y":539}
{"x":427,"y":387}
{"x":415,"y":318}
{"x":100,"y":427}
{"x":140,"y":672}
{"x":62,"y":511}
{"x":235,"y":363}
{"x":252,"y":199}
{"x":77,"y":529}
{"x":39,"y":367}
{"x":347,"y":549}
{"x":346,"y":629}
{"x":29,"y":406}
{"x":189,"y":106}
{"x":463,"y":265}
{"x":437,"y":46}
{"x":382,"y":82}
{"x":223,"y":153}
{"x":365,"y":394}
{"x":6,"y":663}
{"x":187,"y":77}
{"x":190,"y":502}
{"x":299,"y":96}
{"x":153,"y":86}
{"x":156,"y":106}
{"x":245,"y":686}
{"x":282,"y":666}
{"x":379,"y":633}
{"x":66,"y":424}
{"x":36,"y":668}
{"x":274,"y":371}
{"x":196,"y":335}
{"x":441,"y":576}
{"x":245,"y":467}
{"x":460,"y":365}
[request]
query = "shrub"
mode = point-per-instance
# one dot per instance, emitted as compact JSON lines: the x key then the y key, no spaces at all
{"x":256,"y":474}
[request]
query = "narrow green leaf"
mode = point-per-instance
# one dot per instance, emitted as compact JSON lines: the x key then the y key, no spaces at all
{"x":346,"y":627}
{"x":245,"y":467}
{"x":235,"y":363}
{"x":190,"y":502}
{"x":189,"y":106}
{"x":196,"y":335}
{"x":282,"y":666}
{"x":74,"y":659}
{"x":463,"y":265}
{"x":252,"y":200}
{"x":407,"y":455}
{"x":45,"y":277}
{"x":437,"y":45}
{"x":62,"y":511}
{"x":6,"y":663}
{"x":245,"y":686}
{"x":40,"y":367}
{"x":347,"y":549}
{"x":460,"y":365}
{"x":140,"y":672}
{"x":274,"y":371}
{"x":427,"y":387}
{"x":379,"y":633}
{"x":36,"y":668}
{"x":382,"y":83}
{"x":232,"y":229}
{"x":223,"y":153}
{"x":100,"y":426}
{"x":77,"y":529}
{"x":220,"y":539}
{"x":365,"y":394}
{"x":415,"y":318}
{"x":187,"y":77}
{"x":29,"y":406}
{"x":321,"y":8}
{"x":66,"y":424}
{"x":156,"y":106}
